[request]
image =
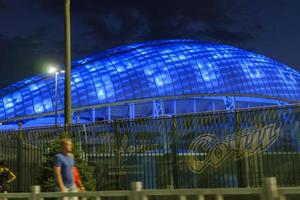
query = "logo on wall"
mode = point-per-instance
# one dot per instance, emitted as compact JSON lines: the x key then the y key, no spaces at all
{"x":213,"y":152}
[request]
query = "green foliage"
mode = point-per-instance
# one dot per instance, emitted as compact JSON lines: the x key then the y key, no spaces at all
{"x":47,"y":180}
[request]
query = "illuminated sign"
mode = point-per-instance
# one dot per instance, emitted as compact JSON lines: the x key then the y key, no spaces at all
{"x":249,"y":142}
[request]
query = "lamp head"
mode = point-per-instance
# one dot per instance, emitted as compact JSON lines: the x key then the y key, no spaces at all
{"x":52,"y":70}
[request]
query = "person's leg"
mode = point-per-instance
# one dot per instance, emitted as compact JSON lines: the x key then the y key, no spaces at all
{"x":2,"y":190}
{"x":5,"y":198}
{"x":73,"y":189}
{"x":65,"y":190}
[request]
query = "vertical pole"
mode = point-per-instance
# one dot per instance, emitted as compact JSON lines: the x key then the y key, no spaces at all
{"x":109,"y":112}
{"x":68,"y":102}
{"x":174,"y":107}
{"x":261,"y":167}
{"x":20,"y":159}
{"x":131,"y":110}
{"x":182,"y":197}
{"x":93,"y":115}
{"x":241,"y":170}
{"x":219,"y":197}
{"x":55,"y":100}
{"x":153,"y":109}
{"x":282,"y":197}
{"x":35,"y":190}
{"x":174,"y":177}
{"x":200,"y":197}
{"x":86,"y":141}
{"x":136,"y":188}
{"x":77,"y":117}
{"x":5,"y":192}
{"x":247,"y":169}
{"x":117,"y":148}
{"x":270,"y":189}
{"x":214,"y":105}
{"x":194,"y":105}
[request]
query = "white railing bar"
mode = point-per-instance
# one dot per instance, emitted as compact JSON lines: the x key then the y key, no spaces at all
{"x":223,"y":191}
{"x":289,"y":190}
{"x":269,"y":191}
{"x":86,"y":194}
{"x":15,"y":195}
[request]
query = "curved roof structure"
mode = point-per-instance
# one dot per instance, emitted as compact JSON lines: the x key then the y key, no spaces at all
{"x":153,"y":70}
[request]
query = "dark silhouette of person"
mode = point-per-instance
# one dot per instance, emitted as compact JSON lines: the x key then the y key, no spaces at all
{"x":6,"y":176}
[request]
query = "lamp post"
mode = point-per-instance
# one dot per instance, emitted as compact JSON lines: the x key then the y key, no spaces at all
{"x":53,"y":70}
{"x":68,"y":102}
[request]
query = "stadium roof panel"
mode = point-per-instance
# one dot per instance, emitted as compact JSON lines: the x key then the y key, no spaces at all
{"x":157,"y":69}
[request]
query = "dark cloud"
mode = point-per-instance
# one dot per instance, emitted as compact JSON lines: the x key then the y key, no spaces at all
{"x":230,"y":37}
{"x":268,"y":27}
{"x":110,"y":23}
{"x":25,"y":56}
{"x":207,"y":10}
{"x":2,"y":4}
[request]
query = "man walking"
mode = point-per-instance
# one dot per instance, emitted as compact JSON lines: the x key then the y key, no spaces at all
{"x":63,"y":168}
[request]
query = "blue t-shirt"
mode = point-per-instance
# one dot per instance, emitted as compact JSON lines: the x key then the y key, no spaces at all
{"x":66,"y":163}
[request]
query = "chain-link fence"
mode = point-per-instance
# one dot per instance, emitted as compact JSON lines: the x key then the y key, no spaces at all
{"x":204,"y":150}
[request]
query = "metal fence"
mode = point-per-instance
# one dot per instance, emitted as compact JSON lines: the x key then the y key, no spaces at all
{"x":269,"y":191}
{"x":203,"y":150}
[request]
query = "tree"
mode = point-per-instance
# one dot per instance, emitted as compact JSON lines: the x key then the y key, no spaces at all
{"x":47,"y":180}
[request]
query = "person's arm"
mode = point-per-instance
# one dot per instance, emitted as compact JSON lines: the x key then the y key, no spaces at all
{"x":58,"y":178}
{"x":80,"y":185}
{"x":11,"y":174}
{"x":77,"y":179}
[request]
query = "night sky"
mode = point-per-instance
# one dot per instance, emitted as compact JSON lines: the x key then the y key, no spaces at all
{"x":32,"y":31}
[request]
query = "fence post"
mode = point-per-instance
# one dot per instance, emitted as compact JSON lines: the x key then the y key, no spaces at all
{"x":5,"y":192}
{"x":200,"y":197}
{"x":219,"y":197}
{"x":19,"y":157}
{"x":85,"y":141}
{"x":118,"y":150}
{"x":174,"y":176}
{"x":35,"y":190}
{"x":282,"y":197}
{"x":270,"y":189}
{"x":182,"y":197}
{"x":136,"y":188}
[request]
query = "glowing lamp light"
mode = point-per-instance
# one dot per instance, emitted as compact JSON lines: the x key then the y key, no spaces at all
{"x":52,"y":70}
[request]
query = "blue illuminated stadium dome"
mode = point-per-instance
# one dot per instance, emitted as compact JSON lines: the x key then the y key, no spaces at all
{"x":156,"y":78}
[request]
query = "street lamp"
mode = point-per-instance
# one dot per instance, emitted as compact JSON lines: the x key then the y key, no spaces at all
{"x":54,"y":70}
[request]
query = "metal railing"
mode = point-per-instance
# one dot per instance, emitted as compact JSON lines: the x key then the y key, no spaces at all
{"x":269,"y":191}
{"x":242,"y":148}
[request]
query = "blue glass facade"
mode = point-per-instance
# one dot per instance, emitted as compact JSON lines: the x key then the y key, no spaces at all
{"x":168,"y":68}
